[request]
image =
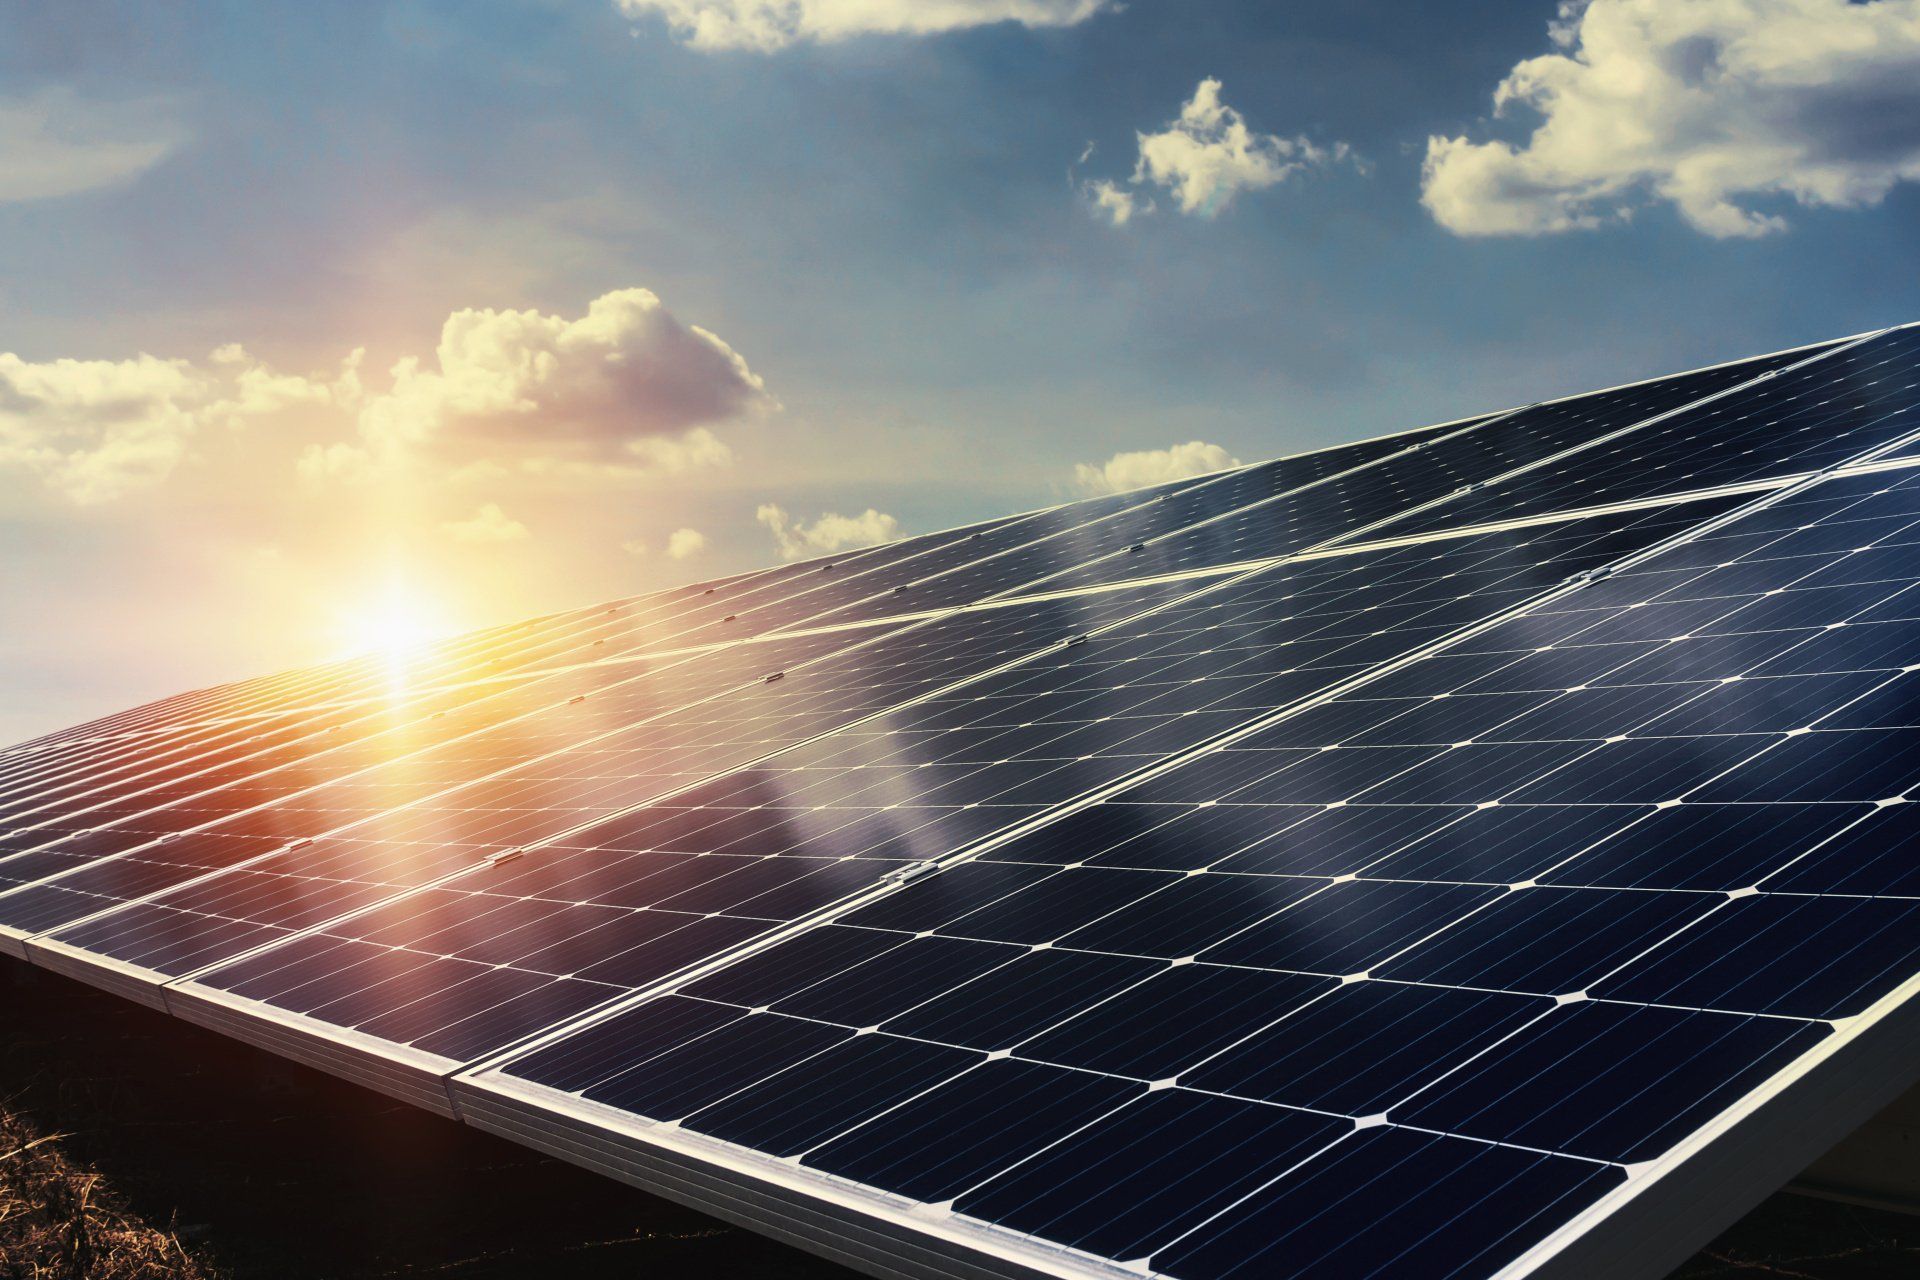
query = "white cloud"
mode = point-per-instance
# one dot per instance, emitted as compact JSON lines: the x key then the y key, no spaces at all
{"x":831,"y":532}
{"x":620,"y":379}
{"x":322,"y":464}
{"x":487,"y":527}
{"x":1710,"y":105}
{"x":96,"y":430}
{"x":1143,"y":467}
{"x":56,"y":143}
{"x":684,"y":544}
{"x":1114,"y":201}
{"x":767,"y":25}
{"x":1207,"y":155}
{"x":695,"y":450}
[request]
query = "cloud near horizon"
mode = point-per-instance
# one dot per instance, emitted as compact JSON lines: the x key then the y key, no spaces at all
{"x":682,"y":544}
{"x":831,"y":532}
{"x":487,"y":527}
{"x":1139,"y":468}
{"x":97,"y":430}
{"x":765,"y":26}
{"x":1712,"y":106}
{"x":624,"y":393}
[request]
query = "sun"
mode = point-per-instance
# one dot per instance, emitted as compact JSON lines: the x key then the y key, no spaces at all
{"x":396,"y":623}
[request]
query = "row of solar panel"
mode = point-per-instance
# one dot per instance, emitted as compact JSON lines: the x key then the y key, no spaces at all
{"x":434,"y":840}
{"x":865,"y":765}
{"x":961,"y":565}
{"x":299,"y":732}
{"x":150,"y":811}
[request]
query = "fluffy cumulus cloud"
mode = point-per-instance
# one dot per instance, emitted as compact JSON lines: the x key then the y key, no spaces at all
{"x":56,"y":143}
{"x":625,"y":392}
{"x":1721,"y":108}
{"x":96,"y":430}
{"x":487,"y":527}
{"x":684,"y":544}
{"x":626,"y":381}
{"x":1204,"y":158}
{"x":797,"y":539}
{"x":1142,"y":467}
{"x":1114,"y":202}
{"x":767,"y":25}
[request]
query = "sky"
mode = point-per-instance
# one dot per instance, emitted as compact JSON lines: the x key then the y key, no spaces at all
{"x":323,"y":325}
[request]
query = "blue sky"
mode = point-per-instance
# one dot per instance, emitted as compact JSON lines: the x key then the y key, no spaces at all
{"x":918,"y":313}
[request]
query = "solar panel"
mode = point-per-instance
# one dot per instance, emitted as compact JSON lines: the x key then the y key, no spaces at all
{"x":1481,"y":852}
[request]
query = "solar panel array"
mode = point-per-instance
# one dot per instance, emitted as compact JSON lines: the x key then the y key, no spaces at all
{"x":1482,"y":850}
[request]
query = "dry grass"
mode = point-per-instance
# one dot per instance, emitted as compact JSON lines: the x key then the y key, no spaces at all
{"x":59,"y":1222}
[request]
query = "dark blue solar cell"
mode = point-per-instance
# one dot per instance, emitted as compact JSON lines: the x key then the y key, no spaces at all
{"x":1874,"y":857}
{"x":1612,"y":1082}
{"x":1549,"y":941}
{"x":794,"y":965}
{"x":1852,"y":646}
{"x":1781,"y":954}
{"x":1332,"y":775}
{"x":1592,"y":714}
{"x":1365,"y":1046}
{"x":1213,"y":1006}
{"x":1775,"y":704}
{"x":1394,"y":1205}
{"x":1506,"y":844}
{"x":698,"y":1073}
{"x":1124,"y":1186}
{"x":1826,"y":766}
{"x":1702,"y":846}
{"x":1018,"y":1001}
{"x":514,"y":1019}
{"x":870,"y":993}
{"x":1190,"y":914}
{"x":696,"y":939}
{"x":1475,"y":773}
{"x":965,"y":1131}
{"x":825,"y":1095}
{"x":1641,"y":771}
{"x":1052,"y":908}
{"x":1895,"y":704}
{"x":1194,"y":839}
{"x":1084,"y":835}
{"x":934,"y":901}
{"x":622,"y":1041}
{"x":1351,"y":926}
{"x":1443,"y":721}
{"x":1562,"y":667}
{"x":1335,"y":841}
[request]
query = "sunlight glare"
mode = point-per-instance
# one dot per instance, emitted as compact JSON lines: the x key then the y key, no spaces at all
{"x":394,"y":624}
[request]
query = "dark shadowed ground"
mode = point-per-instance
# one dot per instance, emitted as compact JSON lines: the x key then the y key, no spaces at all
{"x":267,"y":1170}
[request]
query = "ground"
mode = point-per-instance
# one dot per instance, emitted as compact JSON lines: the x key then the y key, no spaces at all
{"x":172,"y":1152}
